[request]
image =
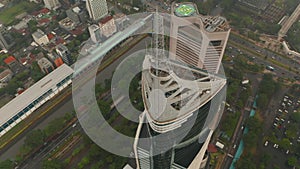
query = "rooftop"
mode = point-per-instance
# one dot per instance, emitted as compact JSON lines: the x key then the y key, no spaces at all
{"x":106,"y":19}
{"x":9,"y":60}
{"x":28,"y":96}
{"x":38,"y":34}
{"x":184,"y":10}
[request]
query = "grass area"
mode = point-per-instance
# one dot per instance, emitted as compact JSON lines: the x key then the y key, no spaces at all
{"x":8,"y":15}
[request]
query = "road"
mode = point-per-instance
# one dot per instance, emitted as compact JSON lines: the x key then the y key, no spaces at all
{"x":67,"y":105}
{"x":264,"y":52}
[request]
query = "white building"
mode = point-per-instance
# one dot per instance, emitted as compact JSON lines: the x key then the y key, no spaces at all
{"x":5,"y":77}
{"x":31,"y":99}
{"x":40,"y":37}
{"x":96,"y":8}
{"x":52,"y":4}
{"x":95,"y":33}
{"x":107,"y":26}
{"x":201,"y":45}
{"x":45,"y":65}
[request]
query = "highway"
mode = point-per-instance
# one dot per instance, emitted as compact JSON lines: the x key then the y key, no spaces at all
{"x":258,"y":55}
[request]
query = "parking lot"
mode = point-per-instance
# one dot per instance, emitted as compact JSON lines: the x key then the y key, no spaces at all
{"x":283,"y":138}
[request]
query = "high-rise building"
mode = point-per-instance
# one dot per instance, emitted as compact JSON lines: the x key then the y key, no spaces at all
{"x":97,"y":9}
{"x":182,"y":96}
{"x":52,"y":4}
{"x":95,"y":33}
{"x":64,"y":53}
{"x":202,"y":44}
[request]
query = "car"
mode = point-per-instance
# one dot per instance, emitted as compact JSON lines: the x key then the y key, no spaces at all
{"x":266,"y":143}
{"x":274,"y":145}
{"x":287,"y":151}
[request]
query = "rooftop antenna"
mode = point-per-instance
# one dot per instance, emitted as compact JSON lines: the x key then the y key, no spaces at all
{"x":158,"y":38}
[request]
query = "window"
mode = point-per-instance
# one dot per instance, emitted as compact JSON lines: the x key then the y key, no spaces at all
{"x":16,"y":117}
{"x":4,"y":126}
{"x":10,"y":121}
{"x":21,"y":113}
{"x":31,"y":106}
{"x":215,"y":43}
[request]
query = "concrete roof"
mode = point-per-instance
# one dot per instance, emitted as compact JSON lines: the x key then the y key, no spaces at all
{"x":28,"y":96}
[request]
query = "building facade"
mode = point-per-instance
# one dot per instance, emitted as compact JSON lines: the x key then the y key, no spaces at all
{"x":95,"y":34}
{"x":6,"y":40}
{"x":107,"y":26}
{"x":97,"y":9}
{"x":182,"y":96}
{"x":196,"y":39}
{"x":64,"y":53}
{"x":45,"y":65}
{"x":40,"y":37}
{"x":52,"y":4}
{"x":32,"y":98}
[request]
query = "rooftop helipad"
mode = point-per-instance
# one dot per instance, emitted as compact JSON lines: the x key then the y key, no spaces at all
{"x":185,"y":10}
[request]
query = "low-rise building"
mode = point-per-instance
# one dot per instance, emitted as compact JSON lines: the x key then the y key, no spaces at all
{"x":67,"y":24}
{"x":5,"y":77}
{"x":40,"y":37}
{"x":45,"y":65}
{"x":107,"y":26}
{"x":121,"y":20}
{"x":95,"y":34}
{"x":64,"y":53}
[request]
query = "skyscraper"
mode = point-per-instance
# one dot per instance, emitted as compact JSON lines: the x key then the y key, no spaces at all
{"x":97,"y":9}
{"x":52,"y":4}
{"x":201,"y":45}
{"x":182,"y":92}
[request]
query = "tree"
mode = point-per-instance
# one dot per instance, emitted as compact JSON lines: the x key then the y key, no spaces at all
{"x":291,"y":131}
{"x":6,"y":164}
{"x":292,"y":161}
{"x":35,"y":138}
{"x":285,"y":143}
{"x":54,"y":126}
{"x":262,"y":101}
{"x":32,"y":25}
{"x":52,"y":164}
{"x":296,"y":117}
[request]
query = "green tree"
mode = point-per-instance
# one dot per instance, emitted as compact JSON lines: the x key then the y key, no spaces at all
{"x":52,"y":164}
{"x":6,"y":164}
{"x":296,"y":117}
{"x":292,"y":161}
{"x":262,"y":101}
{"x":285,"y":143}
{"x":34,"y":139}
{"x":54,"y":126}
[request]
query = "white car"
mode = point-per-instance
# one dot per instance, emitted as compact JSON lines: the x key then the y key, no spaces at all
{"x":266,"y":143}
